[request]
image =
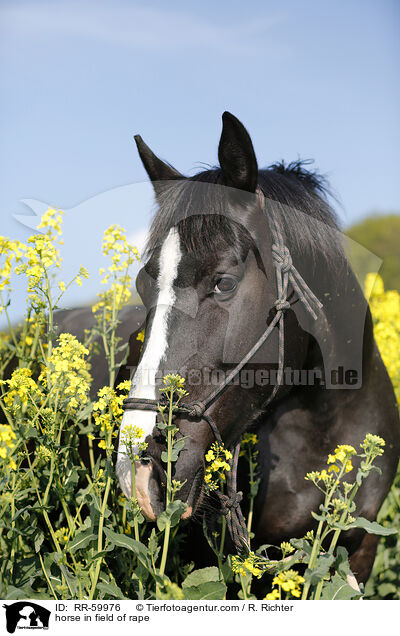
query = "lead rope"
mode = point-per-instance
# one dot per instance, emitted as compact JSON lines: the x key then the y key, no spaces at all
{"x":286,"y":274}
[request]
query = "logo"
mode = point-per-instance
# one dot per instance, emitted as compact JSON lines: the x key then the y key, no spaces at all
{"x":26,"y":615}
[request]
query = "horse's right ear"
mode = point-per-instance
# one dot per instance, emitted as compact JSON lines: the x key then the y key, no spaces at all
{"x":157,"y":170}
{"x":236,"y":155}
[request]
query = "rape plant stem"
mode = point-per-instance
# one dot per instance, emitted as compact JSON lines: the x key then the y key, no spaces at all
{"x":336,"y":535}
{"x":100,"y":539}
{"x":12,"y":525}
{"x":47,"y":577}
{"x":169,"y":480}
{"x":50,"y":326}
{"x":221,"y":544}
{"x":244,"y":586}
{"x":43,"y":502}
{"x":165,"y":548}
{"x":251,"y":497}
{"x":317,"y":540}
{"x":10,"y":327}
{"x":135,"y":522}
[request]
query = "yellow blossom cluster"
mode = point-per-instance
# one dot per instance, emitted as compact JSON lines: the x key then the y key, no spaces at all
{"x":10,"y":251}
{"x":7,"y":444}
{"x":41,"y":254}
{"x":51,"y":221}
{"x":62,"y":535}
{"x":132,"y":438}
{"x":341,"y":456}
{"x":373,"y":445}
{"x":289,"y":581}
{"x":217,"y":458}
{"x":68,"y":372}
{"x":286,"y":548}
{"x":22,"y":390}
{"x":122,"y":255}
{"x":43,"y":454}
{"x":252,"y":564}
{"x":173,"y":381}
{"x":249,"y":440}
{"x":319,"y":475}
{"x":108,"y":411}
{"x":385,"y":309}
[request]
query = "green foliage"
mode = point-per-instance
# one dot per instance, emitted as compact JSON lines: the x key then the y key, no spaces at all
{"x":384,"y":582}
{"x":67,"y":533}
{"x":380,"y":235}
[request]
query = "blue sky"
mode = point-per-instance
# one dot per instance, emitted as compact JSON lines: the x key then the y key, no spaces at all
{"x":311,"y":79}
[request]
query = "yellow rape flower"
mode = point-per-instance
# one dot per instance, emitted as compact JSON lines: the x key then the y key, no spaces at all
{"x":68,"y":372}
{"x":341,"y":456}
{"x":122,"y":255}
{"x":10,"y":252}
{"x":217,"y":464}
{"x":289,"y":581}
{"x":107,"y":410}
{"x":7,"y":444}
{"x":272,"y":596}
{"x":22,"y":390}
{"x":385,"y":310}
{"x":251,"y":564}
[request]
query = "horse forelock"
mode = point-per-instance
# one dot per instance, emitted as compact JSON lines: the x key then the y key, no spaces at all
{"x":294,"y":197}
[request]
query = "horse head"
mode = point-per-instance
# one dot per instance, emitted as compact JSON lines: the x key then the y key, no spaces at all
{"x":210,"y":291}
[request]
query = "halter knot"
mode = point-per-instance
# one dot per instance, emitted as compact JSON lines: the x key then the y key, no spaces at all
{"x":230,"y":503}
{"x":281,"y":305}
{"x":282,"y":257}
{"x":196,"y":409}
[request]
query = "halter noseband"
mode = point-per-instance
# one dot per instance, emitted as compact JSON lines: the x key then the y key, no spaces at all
{"x":285,"y":273}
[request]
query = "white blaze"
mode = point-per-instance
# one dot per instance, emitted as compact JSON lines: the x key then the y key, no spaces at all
{"x":143,"y":383}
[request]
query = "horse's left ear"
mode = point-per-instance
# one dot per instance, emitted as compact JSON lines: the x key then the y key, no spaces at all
{"x":159,"y":171}
{"x":236,"y":155}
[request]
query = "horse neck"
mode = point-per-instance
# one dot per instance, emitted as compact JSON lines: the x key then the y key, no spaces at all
{"x":343,"y":331}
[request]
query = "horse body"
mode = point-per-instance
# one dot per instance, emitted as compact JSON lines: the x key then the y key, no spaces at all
{"x":209,"y":289}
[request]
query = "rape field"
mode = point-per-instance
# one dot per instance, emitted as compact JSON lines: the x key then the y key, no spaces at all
{"x":67,"y":532}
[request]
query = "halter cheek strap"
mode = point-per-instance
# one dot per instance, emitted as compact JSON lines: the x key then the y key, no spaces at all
{"x":286,"y":274}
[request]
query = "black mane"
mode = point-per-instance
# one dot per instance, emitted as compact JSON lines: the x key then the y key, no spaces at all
{"x":295,"y":197}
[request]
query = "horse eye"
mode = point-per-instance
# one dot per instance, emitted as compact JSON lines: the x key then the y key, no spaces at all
{"x":225,"y":285}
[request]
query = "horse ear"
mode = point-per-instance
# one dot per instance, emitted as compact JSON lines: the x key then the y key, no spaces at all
{"x":156,"y":169}
{"x":236,"y":155}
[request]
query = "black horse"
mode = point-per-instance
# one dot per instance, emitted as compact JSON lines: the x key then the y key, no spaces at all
{"x":210,"y":291}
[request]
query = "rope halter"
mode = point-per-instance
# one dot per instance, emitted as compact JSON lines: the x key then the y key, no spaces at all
{"x":286,"y":274}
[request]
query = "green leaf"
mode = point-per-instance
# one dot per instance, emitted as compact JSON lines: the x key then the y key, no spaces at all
{"x":208,"y":591}
{"x":204,"y":584}
{"x":111,"y":589}
{"x":81,"y":540}
{"x":384,"y":589}
{"x":84,"y":413}
{"x":198,"y":577}
{"x":122,"y":541}
{"x":302,"y":544}
{"x":179,"y":444}
{"x":342,"y":565}
{"x":39,"y":538}
{"x":372,"y":527}
{"x":338,"y":590}
{"x":323,"y":565}
{"x":172,"y":513}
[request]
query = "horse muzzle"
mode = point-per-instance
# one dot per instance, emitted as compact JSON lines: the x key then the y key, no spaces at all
{"x":150,"y":483}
